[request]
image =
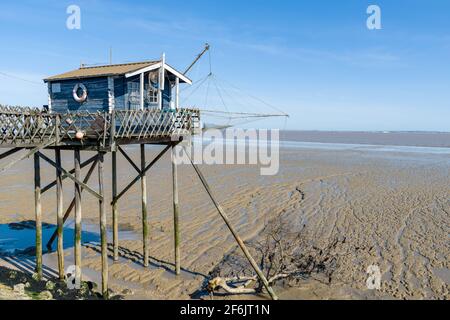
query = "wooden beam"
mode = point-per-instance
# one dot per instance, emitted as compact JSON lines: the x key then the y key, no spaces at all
{"x":28,"y":154}
{"x":156,"y":66}
{"x":233,"y":231}
{"x":129,"y":159}
{"x":161,"y":81}
{"x":143,"y":70}
{"x":9,"y":152}
{"x":141,"y":174}
{"x":111,"y":95}
{"x":103,"y":234}
{"x":176,"y":229}
{"x":141,"y":90}
{"x":74,"y":178}
{"x":38,"y":214}
{"x":60,"y":215}
{"x":177,"y":93}
{"x":72,"y":204}
{"x":84,"y":164}
{"x":115,"y":217}
{"x":144,"y":207}
{"x":78,"y":217}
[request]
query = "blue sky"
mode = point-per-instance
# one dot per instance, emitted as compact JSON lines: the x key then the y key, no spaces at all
{"x":315,"y":60}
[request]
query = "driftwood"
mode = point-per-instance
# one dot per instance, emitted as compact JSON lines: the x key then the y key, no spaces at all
{"x":283,"y":254}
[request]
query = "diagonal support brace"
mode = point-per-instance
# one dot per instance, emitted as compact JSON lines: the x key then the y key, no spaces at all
{"x":28,"y":154}
{"x":72,"y":204}
{"x":141,"y":174}
{"x":129,"y":159}
{"x":233,"y":231}
{"x":69,"y":175}
{"x":84,"y":164}
{"x":9,"y":152}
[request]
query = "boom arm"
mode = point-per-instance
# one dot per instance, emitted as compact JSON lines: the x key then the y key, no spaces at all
{"x":198,"y":58}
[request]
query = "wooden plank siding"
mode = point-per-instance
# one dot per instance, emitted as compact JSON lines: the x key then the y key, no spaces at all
{"x":97,"y":98}
{"x":126,"y":94}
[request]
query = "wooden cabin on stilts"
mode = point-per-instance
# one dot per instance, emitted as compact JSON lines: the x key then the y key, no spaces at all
{"x":102,"y":109}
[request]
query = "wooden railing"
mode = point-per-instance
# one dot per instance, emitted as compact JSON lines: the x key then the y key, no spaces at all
{"x":27,"y":127}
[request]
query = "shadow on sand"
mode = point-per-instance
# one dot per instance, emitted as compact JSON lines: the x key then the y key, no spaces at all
{"x":138,"y":259}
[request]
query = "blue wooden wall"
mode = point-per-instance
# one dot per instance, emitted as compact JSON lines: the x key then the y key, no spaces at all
{"x":124,"y":102}
{"x":97,"y":96}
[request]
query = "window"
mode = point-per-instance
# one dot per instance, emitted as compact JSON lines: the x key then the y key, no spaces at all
{"x":56,"y":87}
{"x":133,"y":96}
{"x":152,"y":94}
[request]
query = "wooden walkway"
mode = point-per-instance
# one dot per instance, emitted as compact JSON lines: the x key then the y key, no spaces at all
{"x":28,"y":128}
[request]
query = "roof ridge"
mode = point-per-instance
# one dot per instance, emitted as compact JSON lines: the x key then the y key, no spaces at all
{"x":120,"y":64}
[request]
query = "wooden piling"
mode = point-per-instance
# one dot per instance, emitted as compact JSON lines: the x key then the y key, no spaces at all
{"x":72,"y":203}
{"x":144,"y":207}
{"x":115,"y":217}
{"x":60,"y":215}
{"x":38,"y":214}
{"x":176,"y":229}
{"x":77,"y":247}
{"x":103,"y":234}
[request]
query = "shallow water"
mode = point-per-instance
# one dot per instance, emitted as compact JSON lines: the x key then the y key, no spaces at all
{"x":19,"y":238}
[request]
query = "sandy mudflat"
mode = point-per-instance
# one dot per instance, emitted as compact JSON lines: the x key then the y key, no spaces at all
{"x":391,"y":204}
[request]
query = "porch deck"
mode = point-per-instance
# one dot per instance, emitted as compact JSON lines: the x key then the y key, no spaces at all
{"x":27,"y":128}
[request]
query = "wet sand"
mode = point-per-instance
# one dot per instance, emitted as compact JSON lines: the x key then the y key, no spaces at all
{"x":392,"y":205}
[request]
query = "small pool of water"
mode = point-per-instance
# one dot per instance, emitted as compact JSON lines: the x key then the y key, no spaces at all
{"x":443,"y":274}
{"x":19,"y":238}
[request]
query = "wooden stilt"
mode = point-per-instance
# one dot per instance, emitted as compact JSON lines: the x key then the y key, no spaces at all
{"x":176,"y":229}
{"x":38,"y":213}
{"x":72,"y":204}
{"x":236,"y":236}
{"x":144,"y":207}
{"x":60,"y":216}
{"x":103,"y":235}
{"x":115,"y":217}
{"x":77,"y":160}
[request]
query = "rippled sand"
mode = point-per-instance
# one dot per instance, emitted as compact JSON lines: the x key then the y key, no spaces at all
{"x":393,"y":207}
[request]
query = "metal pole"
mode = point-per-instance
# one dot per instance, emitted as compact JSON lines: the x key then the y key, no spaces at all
{"x":197,"y":58}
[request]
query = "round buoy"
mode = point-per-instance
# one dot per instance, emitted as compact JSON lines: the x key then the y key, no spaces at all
{"x":76,"y":96}
{"x":79,"y":135}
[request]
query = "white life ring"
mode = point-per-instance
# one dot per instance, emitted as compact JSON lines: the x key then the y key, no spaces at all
{"x":76,"y":97}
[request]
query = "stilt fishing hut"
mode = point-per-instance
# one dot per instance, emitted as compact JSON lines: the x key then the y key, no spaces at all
{"x":101,"y":109}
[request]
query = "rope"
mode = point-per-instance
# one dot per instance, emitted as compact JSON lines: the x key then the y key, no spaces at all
{"x":254,"y":97}
{"x":22,"y":79}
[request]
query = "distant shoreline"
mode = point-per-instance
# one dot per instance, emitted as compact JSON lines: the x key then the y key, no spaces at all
{"x":427,"y":139}
{"x":381,"y":138}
